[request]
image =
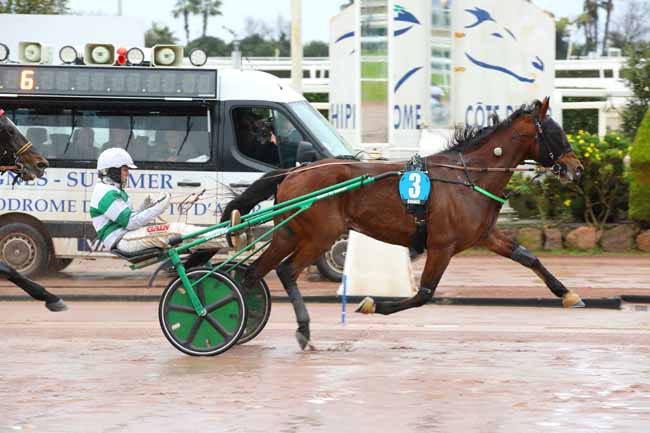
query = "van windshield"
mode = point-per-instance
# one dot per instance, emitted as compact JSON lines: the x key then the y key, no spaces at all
{"x":321,"y":128}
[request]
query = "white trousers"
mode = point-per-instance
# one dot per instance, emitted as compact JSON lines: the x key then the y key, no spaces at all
{"x":157,"y":236}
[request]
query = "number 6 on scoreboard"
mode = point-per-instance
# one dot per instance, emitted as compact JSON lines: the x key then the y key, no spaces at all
{"x":27,"y":79}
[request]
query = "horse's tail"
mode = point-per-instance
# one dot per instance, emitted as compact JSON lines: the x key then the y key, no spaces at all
{"x":260,"y":190}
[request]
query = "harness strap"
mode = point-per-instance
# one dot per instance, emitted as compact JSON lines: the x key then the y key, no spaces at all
{"x":24,"y":148}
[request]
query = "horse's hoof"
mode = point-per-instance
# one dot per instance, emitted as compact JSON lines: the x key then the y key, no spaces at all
{"x":367,"y":306}
{"x":572,"y":300}
{"x":56,"y":306}
{"x":304,"y":342}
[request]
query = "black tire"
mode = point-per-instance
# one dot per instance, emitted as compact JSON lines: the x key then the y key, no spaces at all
{"x":258,"y":305}
{"x":24,"y":248}
{"x":330,"y":265}
{"x":175,"y":317}
{"x":57,"y":265}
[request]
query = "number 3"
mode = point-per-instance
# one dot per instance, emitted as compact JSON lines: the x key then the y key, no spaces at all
{"x":414,"y":190}
{"x":27,"y":80}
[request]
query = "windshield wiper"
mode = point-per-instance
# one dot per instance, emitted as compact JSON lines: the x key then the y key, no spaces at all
{"x":187,"y":134}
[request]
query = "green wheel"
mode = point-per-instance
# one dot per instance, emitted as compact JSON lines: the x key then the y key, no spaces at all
{"x":258,"y":305}
{"x":213,"y":334}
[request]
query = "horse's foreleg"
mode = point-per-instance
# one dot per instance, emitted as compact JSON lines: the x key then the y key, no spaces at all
{"x":505,"y":247}
{"x":437,"y":261}
{"x":35,"y":290}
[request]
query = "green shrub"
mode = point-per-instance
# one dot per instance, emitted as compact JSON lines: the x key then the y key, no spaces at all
{"x":640,"y":173}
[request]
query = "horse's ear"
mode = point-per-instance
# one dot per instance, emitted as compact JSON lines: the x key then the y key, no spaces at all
{"x":541,"y":114}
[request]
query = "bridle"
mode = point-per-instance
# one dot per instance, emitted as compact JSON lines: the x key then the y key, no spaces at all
{"x":549,"y":154}
{"x":17,"y":166}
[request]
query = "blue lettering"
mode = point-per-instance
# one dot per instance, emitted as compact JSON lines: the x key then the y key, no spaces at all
{"x":87,"y":179}
{"x":166,"y":181}
{"x":72,"y":179}
{"x":40,"y":205}
{"x":27,"y":205}
{"x":57,"y":206}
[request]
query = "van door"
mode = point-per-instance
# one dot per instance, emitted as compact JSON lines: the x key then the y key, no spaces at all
{"x":257,"y":137}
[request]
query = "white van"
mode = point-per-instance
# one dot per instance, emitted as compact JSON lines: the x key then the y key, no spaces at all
{"x":190,"y":131}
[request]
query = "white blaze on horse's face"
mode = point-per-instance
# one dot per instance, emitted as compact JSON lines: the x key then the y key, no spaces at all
{"x":501,"y":41}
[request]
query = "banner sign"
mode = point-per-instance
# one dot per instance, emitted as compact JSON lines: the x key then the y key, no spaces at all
{"x":409,"y":87}
{"x":344,"y":74}
{"x":503,"y":56}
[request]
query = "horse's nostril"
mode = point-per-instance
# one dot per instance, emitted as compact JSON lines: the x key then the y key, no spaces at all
{"x":42,"y":165}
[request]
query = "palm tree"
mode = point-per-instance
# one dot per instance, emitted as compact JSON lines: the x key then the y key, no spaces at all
{"x":159,"y":34}
{"x":186,"y":8}
{"x":209,"y":8}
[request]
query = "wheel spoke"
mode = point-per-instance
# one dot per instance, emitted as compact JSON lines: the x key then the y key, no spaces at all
{"x":182,"y":308}
{"x":194,"y":330}
{"x":220,"y":303}
{"x":217,"y":326}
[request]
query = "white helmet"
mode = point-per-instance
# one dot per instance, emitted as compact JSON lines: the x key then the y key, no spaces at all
{"x":115,"y":157}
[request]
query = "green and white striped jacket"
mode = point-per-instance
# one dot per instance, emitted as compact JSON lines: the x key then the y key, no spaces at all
{"x":113,"y":215}
{"x":110,"y":211}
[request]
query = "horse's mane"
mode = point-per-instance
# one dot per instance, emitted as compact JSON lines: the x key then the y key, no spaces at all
{"x":467,"y":138}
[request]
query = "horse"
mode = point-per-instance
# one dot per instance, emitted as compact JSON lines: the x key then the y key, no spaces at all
{"x":19,"y":156}
{"x":457,"y":215}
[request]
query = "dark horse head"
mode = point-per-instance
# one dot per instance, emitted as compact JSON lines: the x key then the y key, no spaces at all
{"x":552,"y":146}
{"x":17,"y":153}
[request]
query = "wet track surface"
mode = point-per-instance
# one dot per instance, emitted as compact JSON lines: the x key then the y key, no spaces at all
{"x":106,"y":367}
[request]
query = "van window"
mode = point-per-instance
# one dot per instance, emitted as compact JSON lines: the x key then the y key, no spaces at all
{"x":148,"y":135}
{"x":266,"y":135}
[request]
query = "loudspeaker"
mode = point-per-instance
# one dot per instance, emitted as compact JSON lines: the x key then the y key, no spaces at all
{"x":34,"y":52}
{"x":167,"y":55}
{"x":99,"y":54}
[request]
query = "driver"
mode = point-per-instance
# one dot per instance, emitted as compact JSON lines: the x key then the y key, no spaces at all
{"x":115,"y":221}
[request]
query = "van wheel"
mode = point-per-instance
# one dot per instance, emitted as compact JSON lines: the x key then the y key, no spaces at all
{"x":24,"y":248}
{"x":330,"y":265}
{"x":57,"y":265}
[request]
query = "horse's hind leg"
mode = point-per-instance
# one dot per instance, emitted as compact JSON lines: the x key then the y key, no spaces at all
{"x":288,"y":271}
{"x":505,"y":247}
{"x":35,"y":290}
{"x":437,"y":261}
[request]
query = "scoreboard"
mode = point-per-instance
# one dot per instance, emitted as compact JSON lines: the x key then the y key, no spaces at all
{"x":107,"y":82}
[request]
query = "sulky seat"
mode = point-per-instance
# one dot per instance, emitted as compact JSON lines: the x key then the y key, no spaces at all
{"x":137,"y":256}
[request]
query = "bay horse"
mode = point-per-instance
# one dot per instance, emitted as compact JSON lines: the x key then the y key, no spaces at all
{"x":19,"y":156}
{"x":457,"y":216}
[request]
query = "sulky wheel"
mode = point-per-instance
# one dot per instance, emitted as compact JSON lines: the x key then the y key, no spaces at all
{"x":258,"y":305}
{"x":203,"y":336}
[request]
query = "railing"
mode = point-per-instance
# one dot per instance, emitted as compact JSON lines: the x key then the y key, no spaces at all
{"x":589,"y":78}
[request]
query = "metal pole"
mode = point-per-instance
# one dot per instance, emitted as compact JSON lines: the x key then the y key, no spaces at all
{"x":119,"y":8}
{"x":296,"y":45}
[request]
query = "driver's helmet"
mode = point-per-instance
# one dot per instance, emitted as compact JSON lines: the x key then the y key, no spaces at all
{"x":111,"y":161}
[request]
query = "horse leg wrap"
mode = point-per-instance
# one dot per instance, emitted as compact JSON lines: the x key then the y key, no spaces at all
{"x":526,"y":258}
{"x":302,"y":316}
{"x":424,"y":295}
{"x":523,"y":256}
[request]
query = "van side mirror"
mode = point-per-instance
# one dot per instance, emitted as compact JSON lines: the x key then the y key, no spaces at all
{"x":306,"y":152}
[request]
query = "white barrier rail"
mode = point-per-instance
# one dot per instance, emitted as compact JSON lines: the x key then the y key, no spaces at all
{"x":588,"y":78}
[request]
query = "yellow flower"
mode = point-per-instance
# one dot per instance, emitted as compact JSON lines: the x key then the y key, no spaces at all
{"x":598,"y":157}
{"x":618,"y":138}
{"x":567,"y":202}
{"x":620,"y":152}
{"x":586,"y":155}
{"x":581,"y":132}
{"x":581,"y":141}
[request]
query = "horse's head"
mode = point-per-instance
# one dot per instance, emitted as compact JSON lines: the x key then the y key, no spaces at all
{"x":17,"y":152}
{"x":551,"y":147}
